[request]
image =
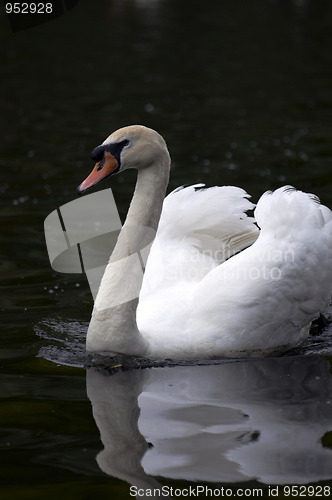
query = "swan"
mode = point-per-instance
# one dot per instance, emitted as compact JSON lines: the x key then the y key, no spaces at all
{"x":217,"y":282}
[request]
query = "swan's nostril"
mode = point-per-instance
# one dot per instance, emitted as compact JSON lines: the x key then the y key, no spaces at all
{"x":101,"y":164}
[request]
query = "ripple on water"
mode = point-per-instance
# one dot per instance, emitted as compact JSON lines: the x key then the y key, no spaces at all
{"x":64,"y":341}
{"x":64,"y":344}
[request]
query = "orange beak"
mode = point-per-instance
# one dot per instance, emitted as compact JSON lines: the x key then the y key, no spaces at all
{"x":107,"y":166}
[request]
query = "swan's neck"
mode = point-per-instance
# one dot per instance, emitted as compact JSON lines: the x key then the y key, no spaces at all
{"x":113,"y":324}
{"x":143,"y":214}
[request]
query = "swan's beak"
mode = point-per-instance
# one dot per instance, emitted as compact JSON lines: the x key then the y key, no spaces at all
{"x":107,"y":166}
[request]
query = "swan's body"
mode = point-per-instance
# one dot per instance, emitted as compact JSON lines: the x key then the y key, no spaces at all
{"x":214,"y":284}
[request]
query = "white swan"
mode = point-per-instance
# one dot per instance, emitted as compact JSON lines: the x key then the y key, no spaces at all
{"x":214,"y":284}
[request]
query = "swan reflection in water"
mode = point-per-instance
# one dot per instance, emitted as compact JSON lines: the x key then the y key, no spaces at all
{"x":238,"y":421}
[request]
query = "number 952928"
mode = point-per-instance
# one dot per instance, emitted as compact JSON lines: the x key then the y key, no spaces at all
{"x":28,"y":8}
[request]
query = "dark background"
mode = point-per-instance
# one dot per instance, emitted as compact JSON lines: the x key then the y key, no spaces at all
{"x":241,"y":91}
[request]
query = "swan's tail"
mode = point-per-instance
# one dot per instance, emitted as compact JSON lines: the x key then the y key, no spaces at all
{"x":299,"y":220}
{"x":286,"y":209}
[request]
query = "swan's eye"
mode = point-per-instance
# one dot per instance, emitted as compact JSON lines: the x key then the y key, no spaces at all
{"x":116,"y":148}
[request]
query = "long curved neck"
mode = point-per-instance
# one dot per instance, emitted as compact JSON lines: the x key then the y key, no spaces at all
{"x":144,"y":211}
{"x":113,"y":325}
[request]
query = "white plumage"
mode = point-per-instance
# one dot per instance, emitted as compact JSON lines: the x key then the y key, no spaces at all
{"x":215,"y":285}
{"x":259,"y":301}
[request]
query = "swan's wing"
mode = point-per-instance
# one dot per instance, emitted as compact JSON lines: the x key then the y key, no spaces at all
{"x":266,"y":294}
{"x":212,"y":220}
{"x":198,"y":229}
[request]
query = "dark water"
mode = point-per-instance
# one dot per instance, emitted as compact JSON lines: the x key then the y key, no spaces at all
{"x":241,"y":90}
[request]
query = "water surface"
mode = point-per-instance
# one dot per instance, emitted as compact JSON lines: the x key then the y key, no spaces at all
{"x":241,"y":91}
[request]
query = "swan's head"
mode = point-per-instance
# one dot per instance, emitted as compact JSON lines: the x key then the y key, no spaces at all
{"x":135,"y":146}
